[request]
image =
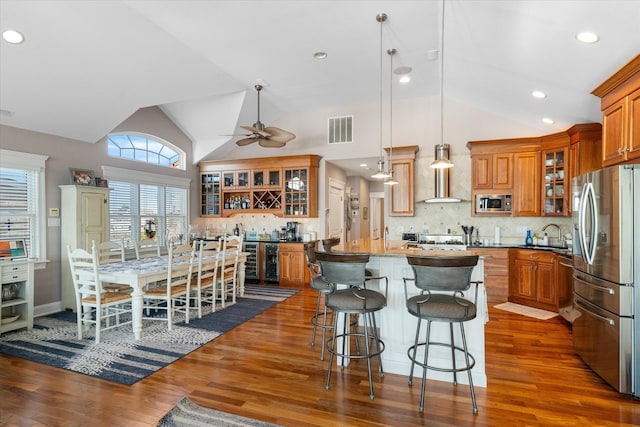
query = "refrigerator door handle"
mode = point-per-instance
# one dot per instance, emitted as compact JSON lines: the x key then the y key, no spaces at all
{"x":588,"y":198}
{"x":611,"y":322}
{"x":582,"y":235}
{"x":597,"y":287}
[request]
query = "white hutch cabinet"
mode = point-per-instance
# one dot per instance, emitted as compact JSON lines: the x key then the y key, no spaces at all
{"x":16,"y":298}
{"x":85,"y":217}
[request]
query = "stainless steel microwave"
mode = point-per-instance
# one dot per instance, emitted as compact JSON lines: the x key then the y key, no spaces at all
{"x":493,"y":203}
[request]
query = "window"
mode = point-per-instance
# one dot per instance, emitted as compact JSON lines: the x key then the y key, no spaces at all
{"x":145,"y":148}
{"x":140,"y":200}
{"x":22,"y":200}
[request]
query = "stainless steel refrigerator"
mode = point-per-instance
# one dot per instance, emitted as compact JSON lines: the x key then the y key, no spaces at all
{"x":606,"y":262}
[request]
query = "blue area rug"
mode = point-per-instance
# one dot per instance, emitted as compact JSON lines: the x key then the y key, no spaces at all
{"x":118,"y":357}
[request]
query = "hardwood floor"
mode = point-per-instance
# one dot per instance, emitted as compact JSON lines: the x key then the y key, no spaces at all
{"x":266,"y":369}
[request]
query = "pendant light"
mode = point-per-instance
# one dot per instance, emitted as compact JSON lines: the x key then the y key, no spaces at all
{"x":380,"y":174}
{"x":442,"y":162}
{"x":390,"y":180}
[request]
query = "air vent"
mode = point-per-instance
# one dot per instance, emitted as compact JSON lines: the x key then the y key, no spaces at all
{"x":340,"y":130}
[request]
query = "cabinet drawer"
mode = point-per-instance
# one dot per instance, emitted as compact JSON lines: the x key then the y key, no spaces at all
{"x":14,"y":273}
{"x":535,"y":255}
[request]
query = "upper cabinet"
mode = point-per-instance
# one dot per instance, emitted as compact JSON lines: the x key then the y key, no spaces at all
{"x":492,"y":171}
{"x":284,"y":186}
{"x":620,"y":104}
{"x":535,"y":171}
{"x":403,"y":194}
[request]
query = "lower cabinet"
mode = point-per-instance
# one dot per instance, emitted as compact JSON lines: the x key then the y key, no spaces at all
{"x":496,"y":272}
{"x":293,"y":264}
{"x":532,"y":279}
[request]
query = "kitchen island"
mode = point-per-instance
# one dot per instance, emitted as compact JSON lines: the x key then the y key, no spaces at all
{"x":398,"y":327}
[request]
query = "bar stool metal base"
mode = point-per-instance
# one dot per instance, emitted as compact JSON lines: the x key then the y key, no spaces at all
{"x":470,"y":361}
{"x":319,"y":320}
{"x":371,"y":339}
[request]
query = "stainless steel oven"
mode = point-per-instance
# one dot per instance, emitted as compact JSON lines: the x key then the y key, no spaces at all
{"x":486,"y":203}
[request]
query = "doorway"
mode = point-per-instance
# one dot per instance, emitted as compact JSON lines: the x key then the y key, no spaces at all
{"x":335,"y":212}
{"x":376,"y":209}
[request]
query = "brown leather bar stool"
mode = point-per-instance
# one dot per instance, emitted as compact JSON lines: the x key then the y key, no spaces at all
{"x":319,"y":319}
{"x":441,"y":282}
{"x":349,"y":269}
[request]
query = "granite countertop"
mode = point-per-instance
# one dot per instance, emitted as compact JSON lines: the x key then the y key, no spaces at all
{"x":400,"y":247}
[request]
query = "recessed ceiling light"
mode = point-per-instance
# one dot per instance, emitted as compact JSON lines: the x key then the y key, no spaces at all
{"x":548,"y":121}
{"x":587,"y":37}
{"x":538,"y":94}
{"x":363,"y":165}
{"x":320,"y":55}
{"x":12,"y":36}
{"x":405,"y":79}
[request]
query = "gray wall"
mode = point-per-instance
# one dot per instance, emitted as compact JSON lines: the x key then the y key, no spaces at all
{"x":65,"y":153}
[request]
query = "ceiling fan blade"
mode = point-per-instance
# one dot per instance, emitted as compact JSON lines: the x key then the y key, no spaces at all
{"x":279,"y":135}
{"x":256,"y":130}
{"x":270,"y":143}
{"x":246,"y":141}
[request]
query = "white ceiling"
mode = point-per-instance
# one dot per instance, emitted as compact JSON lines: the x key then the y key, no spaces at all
{"x":85,"y":66}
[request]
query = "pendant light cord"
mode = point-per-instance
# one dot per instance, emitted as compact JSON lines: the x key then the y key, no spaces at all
{"x":382,"y":17}
{"x":442,"y":80}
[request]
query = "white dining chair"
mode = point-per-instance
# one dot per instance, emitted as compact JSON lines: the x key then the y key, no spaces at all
{"x":231,"y":248}
{"x":172,"y":295}
{"x":147,"y":248}
{"x":94,"y":305}
{"x":206,"y":273}
{"x":109,"y":252}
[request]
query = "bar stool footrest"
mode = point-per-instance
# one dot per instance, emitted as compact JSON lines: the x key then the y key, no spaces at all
{"x":462,"y":368}
{"x":378,"y":341}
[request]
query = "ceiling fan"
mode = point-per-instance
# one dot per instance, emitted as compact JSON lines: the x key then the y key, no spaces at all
{"x":266,"y":136}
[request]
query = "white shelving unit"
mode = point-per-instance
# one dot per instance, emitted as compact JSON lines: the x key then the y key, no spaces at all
{"x":16,"y":298}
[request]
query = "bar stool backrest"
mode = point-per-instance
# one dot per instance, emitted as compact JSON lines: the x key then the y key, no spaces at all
{"x":451,"y":273}
{"x":343,"y":268}
{"x":329,"y":243}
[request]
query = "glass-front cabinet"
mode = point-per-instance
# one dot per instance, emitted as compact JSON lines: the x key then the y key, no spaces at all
{"x":210,"y":194}
{"x":555,"y":175}
{"x":266,"y":178}
{"x":296,"y":192}
{"x":284,"y":186}
{"x":235,"y":180}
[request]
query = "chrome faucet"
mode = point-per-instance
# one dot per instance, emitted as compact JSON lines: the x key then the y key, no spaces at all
{"x":560,"y":239}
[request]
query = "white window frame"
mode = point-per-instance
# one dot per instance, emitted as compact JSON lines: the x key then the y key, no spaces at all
{"x":181,"y":153}
{"x":34,"y":162}
{"x":148,"y":178}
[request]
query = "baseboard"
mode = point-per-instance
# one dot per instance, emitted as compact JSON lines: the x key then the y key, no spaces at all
{"x":45,"y":309}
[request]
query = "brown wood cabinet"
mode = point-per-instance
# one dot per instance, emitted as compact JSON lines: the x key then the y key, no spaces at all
{"x":526,"y":189}
{"x":403,"y":194}
{"x":620,"y":104}
{"x":293,"y":264}
{"x":533,"y":280}
{"x":492,"y":171}
{"x":537,"y":171}
{"x":585,"y":151}
{"x":496,"y":272}
{"x":284,"y":186}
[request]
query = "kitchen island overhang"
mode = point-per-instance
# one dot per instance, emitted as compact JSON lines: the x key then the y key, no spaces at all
{"x":398,"y":327}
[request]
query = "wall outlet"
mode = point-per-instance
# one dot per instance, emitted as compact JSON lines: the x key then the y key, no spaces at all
{"x":522,"y":229}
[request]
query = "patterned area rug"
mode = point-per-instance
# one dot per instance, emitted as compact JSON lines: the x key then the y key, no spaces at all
{"x":118,"y":357}
{"x":526,"y":311}
{"x":188,"y":414}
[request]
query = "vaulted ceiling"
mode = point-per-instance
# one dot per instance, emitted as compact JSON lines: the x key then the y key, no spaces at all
{"x":85,"y":66}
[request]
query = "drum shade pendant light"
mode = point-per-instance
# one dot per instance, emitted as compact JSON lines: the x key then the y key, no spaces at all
{"x":442,"y":162}
{"x":390,"y":180}
{"x":380,"y":174}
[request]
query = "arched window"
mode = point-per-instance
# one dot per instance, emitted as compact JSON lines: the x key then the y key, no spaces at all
{"x":146,"y":149}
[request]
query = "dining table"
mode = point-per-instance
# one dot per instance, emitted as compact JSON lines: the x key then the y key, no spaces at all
{"x":138,"y":273}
